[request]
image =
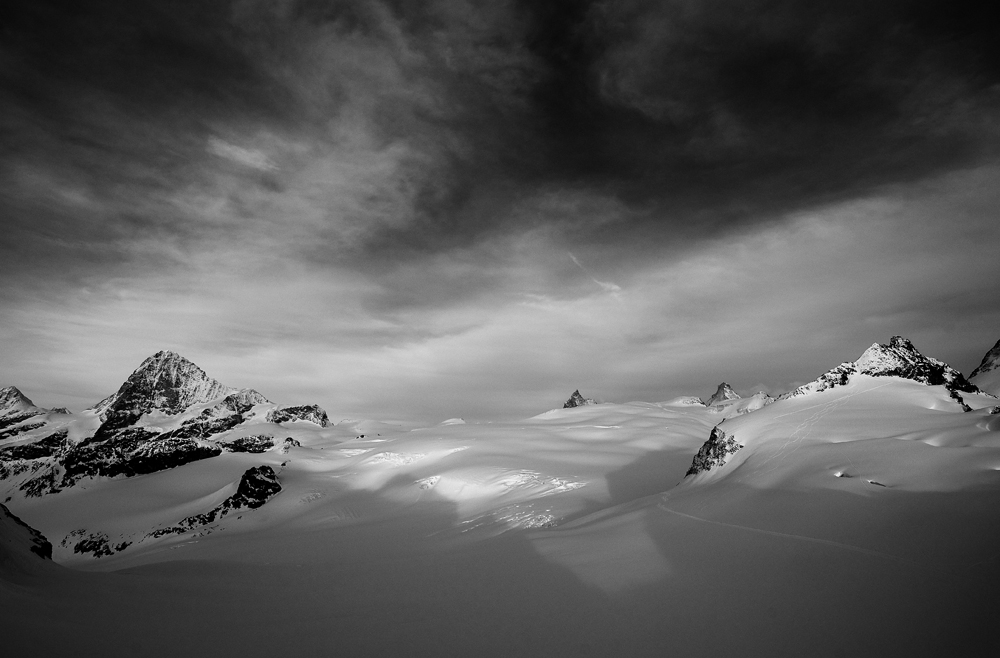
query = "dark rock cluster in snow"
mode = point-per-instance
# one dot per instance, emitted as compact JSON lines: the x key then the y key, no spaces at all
{"x":254,"y":443}
{"x":310,"y":412}
{"x":714,"y":452}
{"x":577,"y":400}
{"x":256,"y":487}
{"x":97,"y":544}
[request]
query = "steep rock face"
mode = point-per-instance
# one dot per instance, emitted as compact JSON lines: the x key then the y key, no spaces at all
{"x":165,"y":381}
{"x":723,"y":393}
{"x":16,"y":535}
{"x":14,"y":401}
{"x":897,"y":359}
{"x":577,"y":400}
{"x":987,"y":374}
{"x":714,"y":452}
{"x":310,"y":412}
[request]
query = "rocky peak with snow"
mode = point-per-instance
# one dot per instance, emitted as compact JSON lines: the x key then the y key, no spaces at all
{"x":577,"y":400}
{"x":723,"y":393}
{"x":165,"y":381}
{"x":899,"y":358}
{"x":990,"y":362}
{"x":14,"y":401}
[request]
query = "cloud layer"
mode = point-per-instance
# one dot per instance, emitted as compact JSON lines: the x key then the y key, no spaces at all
{"x":458,"y":208}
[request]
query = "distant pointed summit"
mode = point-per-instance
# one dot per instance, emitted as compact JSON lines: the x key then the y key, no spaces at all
{"x":165,"y":381}
{"x":723,"y":393}
{"x":577,"y":400}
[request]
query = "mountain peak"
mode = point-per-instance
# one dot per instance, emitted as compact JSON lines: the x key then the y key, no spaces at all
{"x":577,"y":400}
{"x":723,"y":393}
{"x":165,"y":381}
{"x":11,"y":399}
{"x":987,"y":374}
{"x":899,"y":358}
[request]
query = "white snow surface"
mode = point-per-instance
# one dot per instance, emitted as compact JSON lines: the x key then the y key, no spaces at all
{"x":859,"y":520}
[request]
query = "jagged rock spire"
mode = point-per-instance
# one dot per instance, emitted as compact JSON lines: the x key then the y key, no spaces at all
{"x":723,"y":393}
{"x":577,"y":400}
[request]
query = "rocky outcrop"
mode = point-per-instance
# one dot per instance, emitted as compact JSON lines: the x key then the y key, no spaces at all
{"x":714,"y":452}
{"x":311,"y":413}
{"x":254,"y":444}
{"x":989,"y":363}
{"x":897,"y":359}
{"x":577,"y":400}
{"x":17,"y":536}
{"x":723,"y":393}
{"x":256,"y":487}
{"x":166,"y":382}
{"x":288,"y":444}
{"x":15,"y":410}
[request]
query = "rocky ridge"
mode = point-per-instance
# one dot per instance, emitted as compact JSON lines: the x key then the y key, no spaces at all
{"x":714,"y":452}
{"x":897,"y":359}
{"x":723,"y":393}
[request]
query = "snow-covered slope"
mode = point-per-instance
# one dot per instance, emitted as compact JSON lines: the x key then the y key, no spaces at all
{"x":987,"y":374}
{"x":857,"y":518}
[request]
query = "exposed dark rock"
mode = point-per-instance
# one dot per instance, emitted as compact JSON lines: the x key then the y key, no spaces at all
{"x":35,"y":541}
{"x":256,"y":487}
{"x":52,"y":444}
{"x":714,"y":452}
{"x":20,"y":429}
{"x":12,"y":400}
{"x":290,"y":443}
{"x":202,"y":427}
{"x":253,"y":444}
{"x":577,"y":400}
{"x":723,"y":393}
{"x":995,"y":410}
{"x":311,"y":412}
{"x":134,"y":451}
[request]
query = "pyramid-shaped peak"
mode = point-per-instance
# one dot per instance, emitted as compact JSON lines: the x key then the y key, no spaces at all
{"x":577,"y":400}
{"x":12,"y":399}
{"x":723,"y":392}
{"x":165,"y":381}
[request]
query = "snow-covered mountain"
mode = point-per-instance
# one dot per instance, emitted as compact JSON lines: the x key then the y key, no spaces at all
{"x":166,"y":414}
{"x":987,"y":374}
{"x":846,"y":518}
{"x":897,"y":359}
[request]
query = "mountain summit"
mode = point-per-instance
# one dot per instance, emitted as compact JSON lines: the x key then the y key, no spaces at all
{"x":165,"y":381}
{"x":577,"y":400}
{"x":13,"y":400}
{"x":723,"y":393}
{"x":897,"y":359}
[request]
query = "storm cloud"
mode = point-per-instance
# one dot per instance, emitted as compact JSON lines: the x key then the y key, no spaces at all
{"x":439,"y":203}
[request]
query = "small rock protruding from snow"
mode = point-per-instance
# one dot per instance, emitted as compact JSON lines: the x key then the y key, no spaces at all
{"x":723,"y":393}
{"x":577,"y":400}
{"x":288,"y":444}
{"x":714,"y":452}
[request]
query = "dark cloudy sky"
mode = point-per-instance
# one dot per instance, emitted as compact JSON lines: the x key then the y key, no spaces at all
{"x":451,"y":208}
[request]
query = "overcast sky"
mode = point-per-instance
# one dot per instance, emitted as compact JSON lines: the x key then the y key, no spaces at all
{"x":437,"y":209}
